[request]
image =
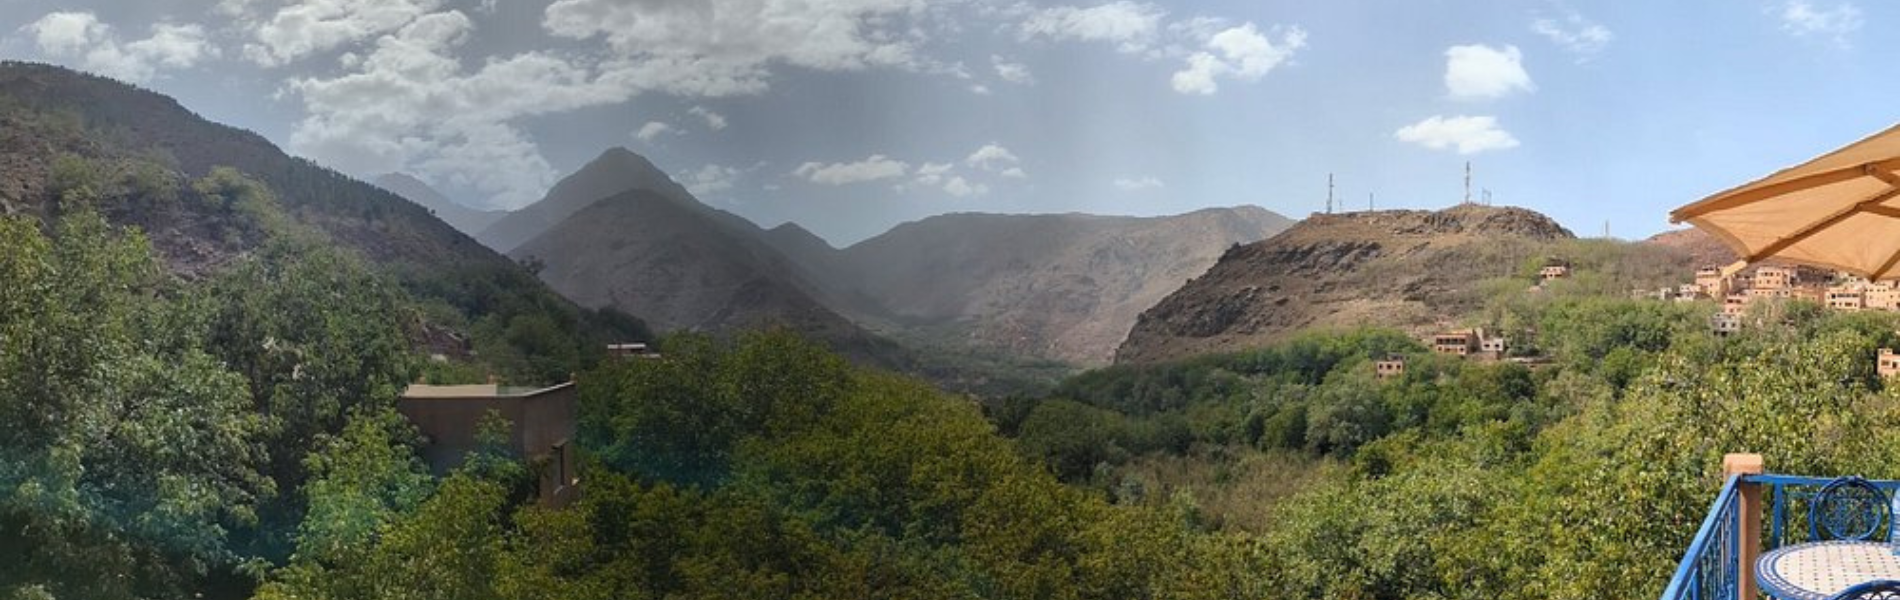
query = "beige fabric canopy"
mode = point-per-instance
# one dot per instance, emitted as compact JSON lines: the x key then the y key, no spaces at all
{"x":1838,"y":211}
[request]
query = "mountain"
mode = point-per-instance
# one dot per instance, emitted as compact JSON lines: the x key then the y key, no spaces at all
{"x":64,"y":135}
{"x":1403,"y":268}
{"x":1704,"y":249}
{"x":654,"y":251}
{"x":614,"y":171}
{"x":464,"y":219}
{"x":1062,"y":287}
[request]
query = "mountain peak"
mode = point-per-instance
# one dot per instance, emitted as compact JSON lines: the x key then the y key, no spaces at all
{"x":616,"y":170}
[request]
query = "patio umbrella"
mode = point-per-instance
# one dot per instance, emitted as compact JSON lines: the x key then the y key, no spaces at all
{"x":1838,"y":211}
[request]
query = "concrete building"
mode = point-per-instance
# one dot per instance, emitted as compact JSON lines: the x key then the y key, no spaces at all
{"x":1847,"y":298}
{"x":1713,"y":284}
{"x":540,"y":429}
{"x":631,"y":350}
{"x":1461,"y":342}
{"x":1493,"y":346}
{"x":1392,"y":366}
{"x":1881,"y":296}
{"x":1736,"y":304}
{"x":1774,"y":278}
{"x":1888,"y":364}
{"x":1553,"y":272}
{"x":1724,"y":324}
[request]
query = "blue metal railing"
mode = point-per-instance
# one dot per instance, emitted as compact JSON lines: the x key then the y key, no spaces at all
{"x":1710,"y":568}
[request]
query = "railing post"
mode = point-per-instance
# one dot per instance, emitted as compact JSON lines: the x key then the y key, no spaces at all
{"x":1748,"y":520}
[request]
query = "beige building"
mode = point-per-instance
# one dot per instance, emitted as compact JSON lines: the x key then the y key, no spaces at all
{"x":1461,"y":342}
{"x":1736,"y":304}
{"x":1392,"y":366}
{"x":1553,"y":272}
{"x":1712,"y":283}
{"x":1881,"y":296}
{"x":1846,"y":298}
{"x":1888,"y":364}
{"x":540,"y":429}
{"x":1773,"y":278}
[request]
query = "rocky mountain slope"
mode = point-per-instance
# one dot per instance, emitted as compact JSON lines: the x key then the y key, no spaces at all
{"x":58,"y":126}
{"x":1062,"y":287}
{"x":464,"y":219}
{"x":1392,"y":268}
{"x":1703,"y":248}
{"x":614,"y":171}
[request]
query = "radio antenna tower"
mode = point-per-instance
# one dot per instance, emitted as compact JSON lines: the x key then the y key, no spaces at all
{"x":1486,"y":196}
{"x":1467,"y":182}
{"x":1369,"y":204}
{"x":1329,"y":193}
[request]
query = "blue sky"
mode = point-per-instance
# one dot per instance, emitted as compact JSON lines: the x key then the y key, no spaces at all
{"x":849,"y":116}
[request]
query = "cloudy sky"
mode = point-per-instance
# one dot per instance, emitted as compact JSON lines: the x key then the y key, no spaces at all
{"x":849,"y":116}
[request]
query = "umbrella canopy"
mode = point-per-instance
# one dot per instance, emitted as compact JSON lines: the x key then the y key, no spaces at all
{"x":1840,"y":211}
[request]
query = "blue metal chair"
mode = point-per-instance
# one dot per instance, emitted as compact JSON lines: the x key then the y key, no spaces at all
{"x":1879,"y":589}
{"x":1848,"y":508}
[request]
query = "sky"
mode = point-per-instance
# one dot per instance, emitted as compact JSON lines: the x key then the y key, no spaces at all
{"x":850,"y":116}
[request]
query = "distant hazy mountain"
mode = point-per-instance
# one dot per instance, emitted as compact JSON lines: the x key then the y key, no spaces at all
{"x":682,"y":265}
{"x":1399,"y":268}
{"x":614,"y":171}
{"x":1065,"y":287}
{"x":462,"y":218}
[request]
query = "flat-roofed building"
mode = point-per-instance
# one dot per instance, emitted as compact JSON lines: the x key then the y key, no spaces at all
{"x":1774,"y":277}
{"x":1724,"y":324}
{"x":1392,"y":366}
{"x":1888,"y":363}
{"x":1847,"y":298}
{"x":1459,"y":342}
{"x":1712,"y":282}
{"x":1550,"y":272}
{"x":540,"y":428}
{"x":1882,"y":296}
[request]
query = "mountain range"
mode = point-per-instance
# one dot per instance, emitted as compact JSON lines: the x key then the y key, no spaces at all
{"x":464,"y":219}
{"x":619,"y":232}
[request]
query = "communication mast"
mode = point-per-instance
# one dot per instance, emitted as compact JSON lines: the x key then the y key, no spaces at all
{"x":1467,"y":182}
{"x":1329,"y":193}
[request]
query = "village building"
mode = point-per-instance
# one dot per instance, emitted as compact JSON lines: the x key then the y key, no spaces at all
{"x":1392,"y":366}
{"x":1461,"y":342}
{"x":1551,"y":272}
{"x":1774,"y":278}
{"x":1493,"y":347}
{"x":1881,"y":296}
{"x":1771,"y":292}
{"x":540,"y":429}
{"x":1847,"y":298}
{"x":1689,"y":292}
{"x":1888,"y":363}
{"x":1724,"y":324}
{"x":1736,"y":304}
{"x":1811,"y":293}
{"x":1712,"y":283}
{"x":630,"y":350}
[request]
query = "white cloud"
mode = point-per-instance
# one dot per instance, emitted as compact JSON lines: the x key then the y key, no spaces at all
{"x":959,"y":187}
{"x":409,"y":104}
{"x":874,"y":168}
{"x":1477,"y":72}
{"x":727,"y":47}
{"x":305,"y":27}
{"x":654,"y":129}
{"x":1242,"y":53}
{"x":712,"y":179}
{"x":1132,"y":26}
{"x":714,"y":121}
{"x":1127,"y":184}
{"x":97,"y":48}
{"x":932,"y":173}
{"x":1014,"y":173}
{"x":1577,"y":35}
{"x":1468,"y":135}
{"x":980,"y":89}
{"x":1013,"y":72}
{"x":991,"y":157}
{"x":1801,"y":18}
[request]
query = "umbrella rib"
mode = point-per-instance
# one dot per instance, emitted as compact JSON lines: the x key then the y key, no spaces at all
{"x":1817,"y":226}
{"x":1732,"y":199}
{"x":1885,"y":267}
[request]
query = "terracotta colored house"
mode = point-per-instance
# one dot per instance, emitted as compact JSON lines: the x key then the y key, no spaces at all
{"x":1553,"y":272}
{"x":1392,"y":366}
{"x":541,"y":428}
{"x":1461,"y":342}
{"x":1848,"y":298}
{"x":1713,"y":284}
{"x":1887,"y":363}
{"x":1774,"y":278}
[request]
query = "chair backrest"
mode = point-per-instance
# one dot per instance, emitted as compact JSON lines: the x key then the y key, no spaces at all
{"x":1848,"y":508}
{"x":1879,"y":589}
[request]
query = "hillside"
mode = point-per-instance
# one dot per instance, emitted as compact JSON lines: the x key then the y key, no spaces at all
{"x":1402,"y":268}
{"x":67,"y":136}
{"x":1062,"y":287}
{"x":464,"y":219}
{"x":1703,"y":248}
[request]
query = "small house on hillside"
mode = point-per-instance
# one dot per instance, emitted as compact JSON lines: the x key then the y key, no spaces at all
{"x":1882,"y":296}
{"x":1392,"y":366}
{"x":631,"y":350}
{"x":1459,"y":342}
{"x":1847,"y":298}
{"x":1725,"y":324}
{"x":1774,"y":278}
{"x":540,"y":428}
{"x":1888,"y":363}
{"x":1713,"y":283}
{"x":1493,"y":347}
{"x":1736,"y":304}
{"x":1550,"y":272}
